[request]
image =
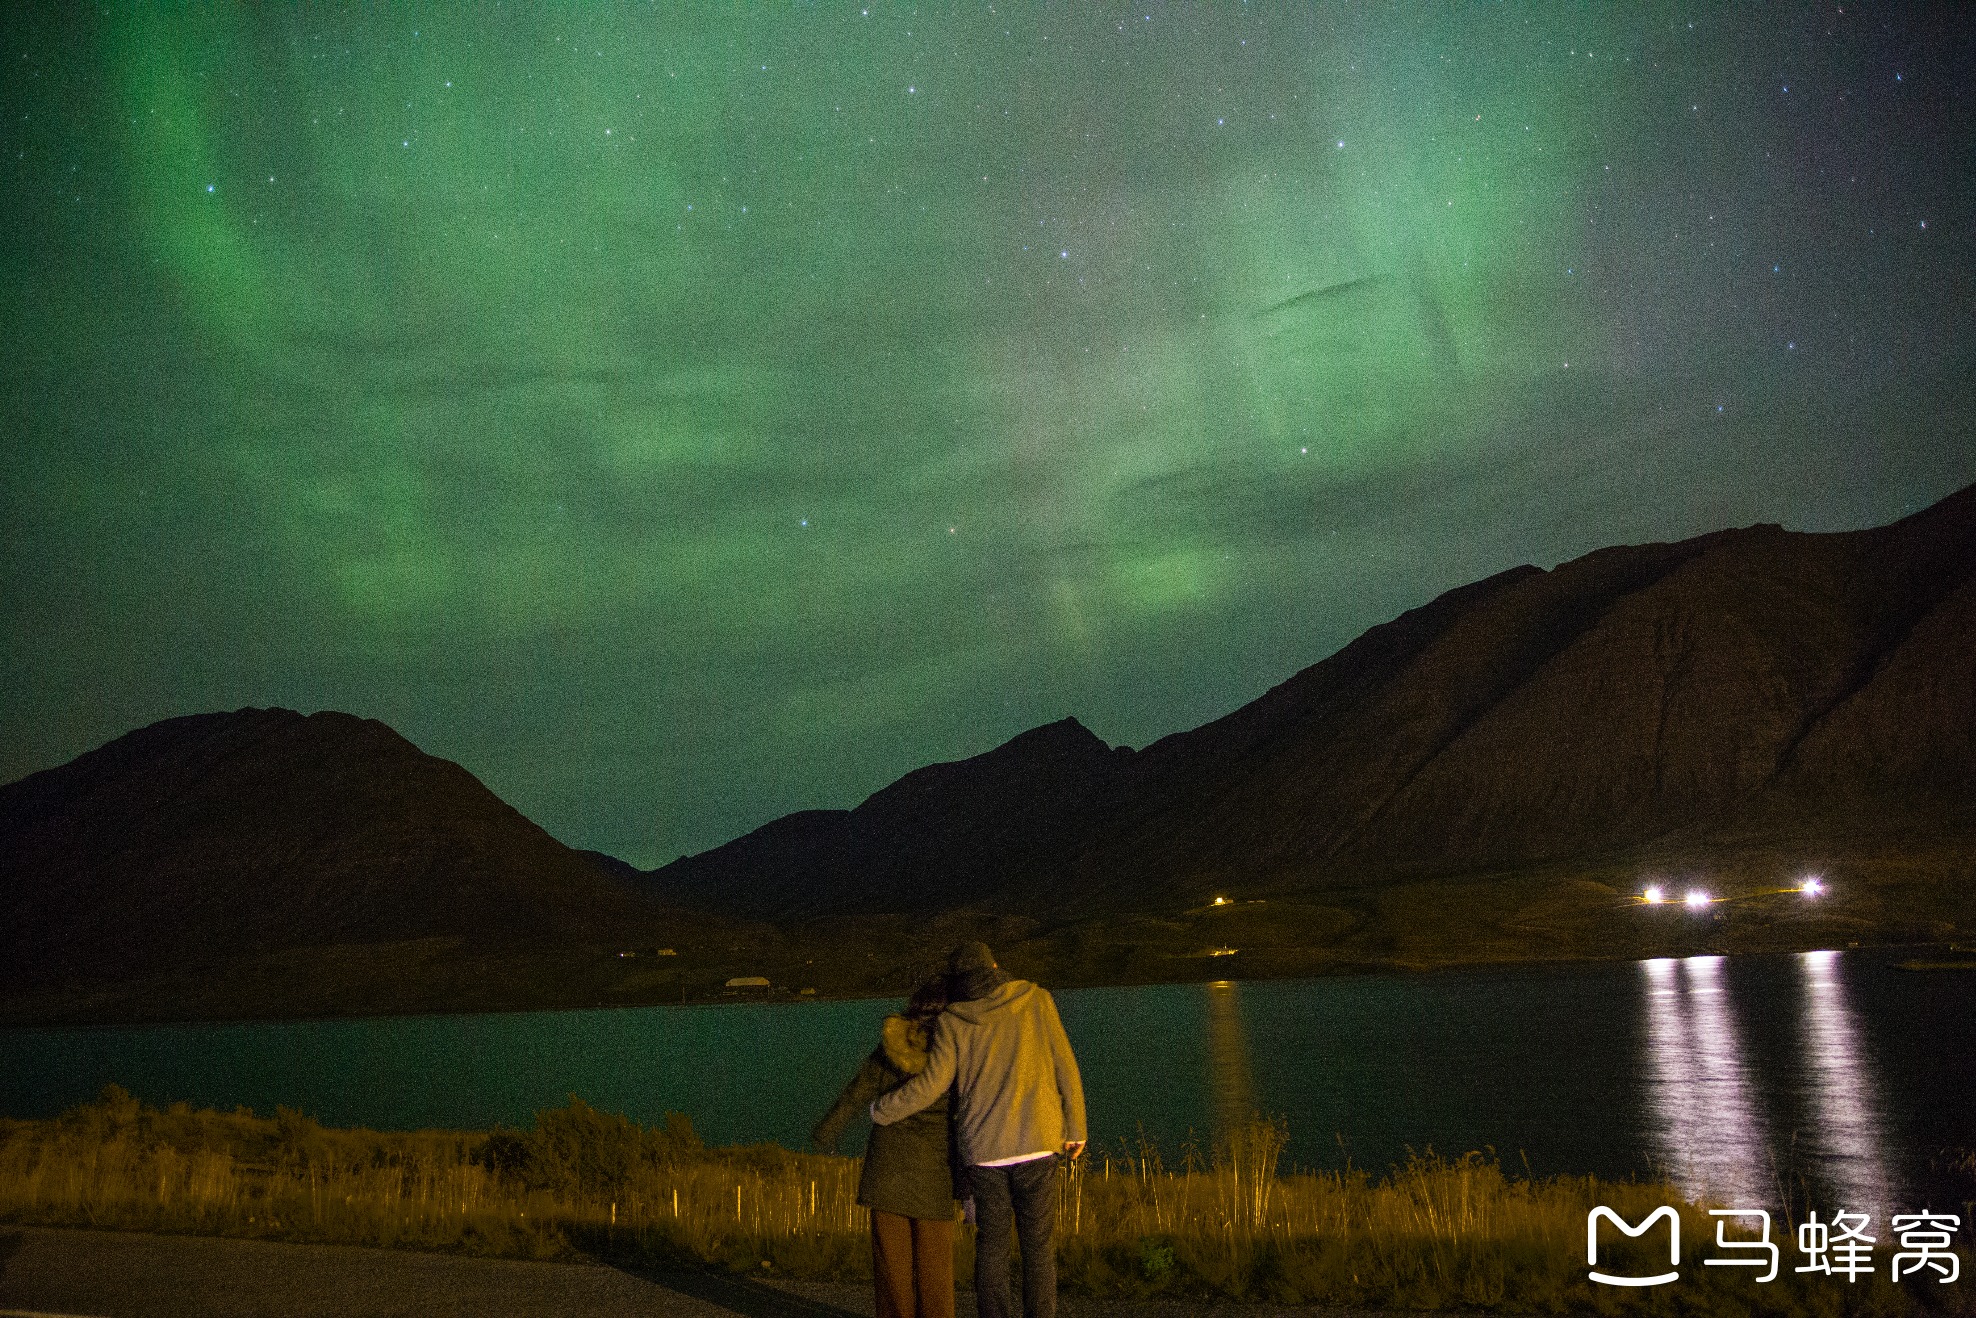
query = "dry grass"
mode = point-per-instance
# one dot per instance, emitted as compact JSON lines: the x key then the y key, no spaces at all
{"x":579,"y":1174}
{"x":1227,"y":1223}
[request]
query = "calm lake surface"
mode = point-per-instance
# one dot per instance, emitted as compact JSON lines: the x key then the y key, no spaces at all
{"x":1835,"y":1074}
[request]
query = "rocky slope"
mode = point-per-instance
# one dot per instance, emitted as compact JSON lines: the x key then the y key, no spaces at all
{"x":932,"y":840}
{"x":1719,"y":693}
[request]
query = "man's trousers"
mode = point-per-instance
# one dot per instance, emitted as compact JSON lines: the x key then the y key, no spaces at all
{"x":1021,"y":1195}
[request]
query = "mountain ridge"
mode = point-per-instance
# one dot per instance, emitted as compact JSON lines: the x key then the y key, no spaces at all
{"x":1704,"y":666}
{"x":210,"y":837}
{"x":1484,"y":777}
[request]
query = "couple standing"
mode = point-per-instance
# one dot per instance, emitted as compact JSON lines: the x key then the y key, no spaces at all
{"x":973,"y":1092}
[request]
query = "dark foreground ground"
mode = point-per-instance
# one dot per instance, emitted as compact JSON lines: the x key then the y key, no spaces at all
{"x":111,"y":1274}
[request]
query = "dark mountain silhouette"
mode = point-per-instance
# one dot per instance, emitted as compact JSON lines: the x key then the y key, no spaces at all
{"x":1482,"y":778}
{"x":203,"y":840}
{"x":621,"y":870}
{"x":1724,"y":692}
{"x":932,"y":840}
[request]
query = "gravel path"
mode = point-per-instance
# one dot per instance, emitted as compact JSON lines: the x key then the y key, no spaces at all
{"x":49,"y":1273}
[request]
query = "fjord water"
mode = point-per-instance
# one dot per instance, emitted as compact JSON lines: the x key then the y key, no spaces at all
{"x":1827,"y":1075}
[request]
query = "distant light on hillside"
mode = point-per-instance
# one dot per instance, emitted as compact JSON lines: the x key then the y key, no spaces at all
{"x":1697,"y":899}
{"x":1813,"y":887}
{"x":1654,"y":895}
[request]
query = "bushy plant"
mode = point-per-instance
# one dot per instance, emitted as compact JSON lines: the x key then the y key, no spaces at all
{"x":581,"y":1152}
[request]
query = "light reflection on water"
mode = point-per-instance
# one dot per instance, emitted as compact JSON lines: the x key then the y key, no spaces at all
{"x":1231,"y":1078}
{"x":1849,"y":1127}
{"x":1706,"y":1131}
{"x":1707,"y":1118}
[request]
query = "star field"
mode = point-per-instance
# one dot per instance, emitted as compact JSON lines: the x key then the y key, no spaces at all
{"x":680,"y":419}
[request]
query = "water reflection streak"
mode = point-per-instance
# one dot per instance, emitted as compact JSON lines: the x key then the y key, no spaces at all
{"x":1848,"y":1127}
{"x":1701,"y":1104}
{"x":1231,"y":1078}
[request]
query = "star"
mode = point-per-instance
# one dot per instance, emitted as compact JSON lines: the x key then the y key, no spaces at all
{"x":734,"y":359}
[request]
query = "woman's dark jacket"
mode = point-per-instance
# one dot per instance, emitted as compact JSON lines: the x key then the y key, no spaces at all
{"x":908,"y":1166}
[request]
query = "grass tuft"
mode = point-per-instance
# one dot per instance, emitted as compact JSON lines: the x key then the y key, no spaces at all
{"x":1230,"y":1224}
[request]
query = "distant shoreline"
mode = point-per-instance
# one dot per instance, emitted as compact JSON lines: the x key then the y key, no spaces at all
{"x":1938,"y":957}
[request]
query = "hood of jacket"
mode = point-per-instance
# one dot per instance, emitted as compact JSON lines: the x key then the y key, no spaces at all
{"x":904,"y":1043}
{"x":975,"y":1010}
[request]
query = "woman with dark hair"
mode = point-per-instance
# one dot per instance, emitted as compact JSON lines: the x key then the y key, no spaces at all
{"x":908,"y":1179}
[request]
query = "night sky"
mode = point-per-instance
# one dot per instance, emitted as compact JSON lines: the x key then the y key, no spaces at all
{"x":681,"y":419}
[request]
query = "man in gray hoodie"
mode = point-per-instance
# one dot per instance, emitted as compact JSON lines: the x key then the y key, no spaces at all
{"x":1018,"y":1108}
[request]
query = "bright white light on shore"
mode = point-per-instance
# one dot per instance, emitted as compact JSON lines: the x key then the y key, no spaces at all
{"x":1654,"y":895}
{"x":1221,"y":901}
{"x":1813,"y":886}
{"x":1697,"y":899}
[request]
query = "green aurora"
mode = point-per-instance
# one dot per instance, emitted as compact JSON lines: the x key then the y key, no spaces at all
{"x":681,"y":416}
